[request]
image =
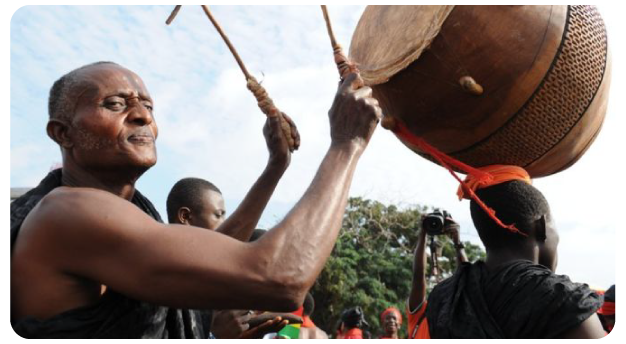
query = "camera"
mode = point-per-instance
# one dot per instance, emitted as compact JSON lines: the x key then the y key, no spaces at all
{"x":434,"y":222}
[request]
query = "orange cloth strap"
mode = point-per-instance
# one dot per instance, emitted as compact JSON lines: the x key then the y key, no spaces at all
{"x":476,"y":177}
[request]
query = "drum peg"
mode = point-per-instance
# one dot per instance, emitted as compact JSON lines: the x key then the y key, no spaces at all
{"x":470,"y":85}
{"x":388,"y":122}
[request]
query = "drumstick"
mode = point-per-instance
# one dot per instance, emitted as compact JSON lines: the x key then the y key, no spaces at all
{"x":265,"y":103}
{"x":344,"y":65}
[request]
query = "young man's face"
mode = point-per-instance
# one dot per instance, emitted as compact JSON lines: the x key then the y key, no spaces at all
{"x":212,"y":212}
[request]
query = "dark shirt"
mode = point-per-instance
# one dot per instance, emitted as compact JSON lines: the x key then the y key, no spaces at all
{"x":518,"y":300}
{"x":114,"y":315}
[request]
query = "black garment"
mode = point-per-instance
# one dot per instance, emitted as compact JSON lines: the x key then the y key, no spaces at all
{"x":114,"y":315}
{"x":519,"y":300}
{"x":609,"y":294}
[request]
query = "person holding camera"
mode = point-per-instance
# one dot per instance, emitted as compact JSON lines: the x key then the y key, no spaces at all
{"x":514,"y":292}
{"x":436,"y":223}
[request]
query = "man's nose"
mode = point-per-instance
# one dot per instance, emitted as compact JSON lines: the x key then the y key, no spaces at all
{"x":139,"y":114}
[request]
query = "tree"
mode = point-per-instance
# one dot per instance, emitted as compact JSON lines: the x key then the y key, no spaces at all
{"x":371,"y":264}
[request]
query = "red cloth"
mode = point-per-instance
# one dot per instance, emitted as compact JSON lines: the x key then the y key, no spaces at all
{"x":418,"y":324}
{"x":608,"y":308}
{"x":307,"y":322}
{"x":449,"y":163}
{"x":353,"y":333}
{"x":494,"y":174}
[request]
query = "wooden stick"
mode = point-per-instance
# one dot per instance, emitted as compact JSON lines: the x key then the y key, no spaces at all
{"x":265,"y":103}
{"x":173,"y":15}
{"x":227,"y":41}
{"x":344,"y":65}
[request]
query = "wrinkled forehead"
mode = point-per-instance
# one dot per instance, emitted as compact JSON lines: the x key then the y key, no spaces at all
{"x":108,"y":79}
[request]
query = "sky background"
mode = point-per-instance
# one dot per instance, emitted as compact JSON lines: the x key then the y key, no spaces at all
{"x":210,"y":125}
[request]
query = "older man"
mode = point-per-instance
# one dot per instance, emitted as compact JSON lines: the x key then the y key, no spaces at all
{"x":86,"y":225}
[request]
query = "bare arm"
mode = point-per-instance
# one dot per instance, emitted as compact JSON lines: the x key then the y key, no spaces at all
{"x":588,"y":329}
{"x":99,"y":236}
{"x":418,"y":287}
{"x":318,"y":215}
{"x":453,"y":229}
{"x":244,"y":219}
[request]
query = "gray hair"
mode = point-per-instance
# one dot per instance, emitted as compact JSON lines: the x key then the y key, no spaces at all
{"x":62,"y":99}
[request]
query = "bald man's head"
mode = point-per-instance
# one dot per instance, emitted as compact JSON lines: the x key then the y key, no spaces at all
{"x":65,"y":91}
{"x":101,"y":115}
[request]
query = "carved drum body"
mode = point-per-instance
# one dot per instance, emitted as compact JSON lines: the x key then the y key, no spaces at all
{"x":542,"y":75}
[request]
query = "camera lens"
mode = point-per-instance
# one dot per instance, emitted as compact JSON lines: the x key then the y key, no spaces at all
{"x":433,"y":224}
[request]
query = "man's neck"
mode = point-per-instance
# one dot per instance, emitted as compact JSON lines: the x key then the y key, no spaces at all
{"x":113,"y":182}
{"x":499,"y":257}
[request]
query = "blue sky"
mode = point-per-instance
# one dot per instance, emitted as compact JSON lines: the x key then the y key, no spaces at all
{"x":210,"y":126}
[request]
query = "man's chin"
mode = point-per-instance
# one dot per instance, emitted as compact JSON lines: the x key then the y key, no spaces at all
{"x":147,"y":159}
{"x":140,"y":164}
{"x":147,"y":163}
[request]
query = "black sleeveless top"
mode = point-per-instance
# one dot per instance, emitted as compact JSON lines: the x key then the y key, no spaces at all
{"x":518,"y":300}
{"x":114,"y":315}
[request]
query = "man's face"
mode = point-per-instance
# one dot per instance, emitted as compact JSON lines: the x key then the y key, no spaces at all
{"x":113,"y":126}
{"x":212,"y":213}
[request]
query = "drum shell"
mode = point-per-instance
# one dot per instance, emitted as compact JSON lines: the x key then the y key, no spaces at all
{"x":545,"y":71}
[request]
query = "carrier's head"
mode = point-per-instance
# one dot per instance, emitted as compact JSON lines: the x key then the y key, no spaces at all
{"x":517,"y":202}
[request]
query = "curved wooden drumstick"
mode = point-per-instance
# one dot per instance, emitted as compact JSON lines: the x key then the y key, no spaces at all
{"x":344,"y":65}
{"x":265,"y":103}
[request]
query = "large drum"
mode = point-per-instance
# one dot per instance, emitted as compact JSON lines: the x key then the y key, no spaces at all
{"x":514,"y":85}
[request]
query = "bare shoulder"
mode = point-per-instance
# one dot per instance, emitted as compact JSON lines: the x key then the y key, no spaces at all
{"x":70,"y":207}
{"x":69,"y":217}
{"x":591,"y":328}
{"x":70,"y":199}
{"x":58,"y":255}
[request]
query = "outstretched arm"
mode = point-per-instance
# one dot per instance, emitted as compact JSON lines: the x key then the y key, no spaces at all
{"x":418,"y":287}
{"x":98,"y":236}
{"x":244,"y":219}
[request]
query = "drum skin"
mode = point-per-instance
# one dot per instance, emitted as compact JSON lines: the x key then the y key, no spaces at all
{"x":544,"y":73}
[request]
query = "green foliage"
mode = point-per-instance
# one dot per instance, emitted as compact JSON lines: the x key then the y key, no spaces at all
{"x":371,"y":264}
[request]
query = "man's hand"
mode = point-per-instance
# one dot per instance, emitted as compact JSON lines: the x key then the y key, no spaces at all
{"x":277,"y":144}
{"x":228,"y":324}
{"x":354,"y":113}
{"x":451,"y":228}
{"x":272,"y":325}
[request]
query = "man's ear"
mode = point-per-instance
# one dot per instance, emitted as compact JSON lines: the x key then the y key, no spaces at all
{"x":540,"y":229}
{"x":184,"y":215}
{"x":58,"y":132}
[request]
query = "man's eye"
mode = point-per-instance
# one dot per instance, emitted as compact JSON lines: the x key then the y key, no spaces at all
{"x":148,"y":106}
{"x":115,"y":105}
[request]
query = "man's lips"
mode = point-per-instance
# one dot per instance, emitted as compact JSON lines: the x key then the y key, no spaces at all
{"x":141,"y":139}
